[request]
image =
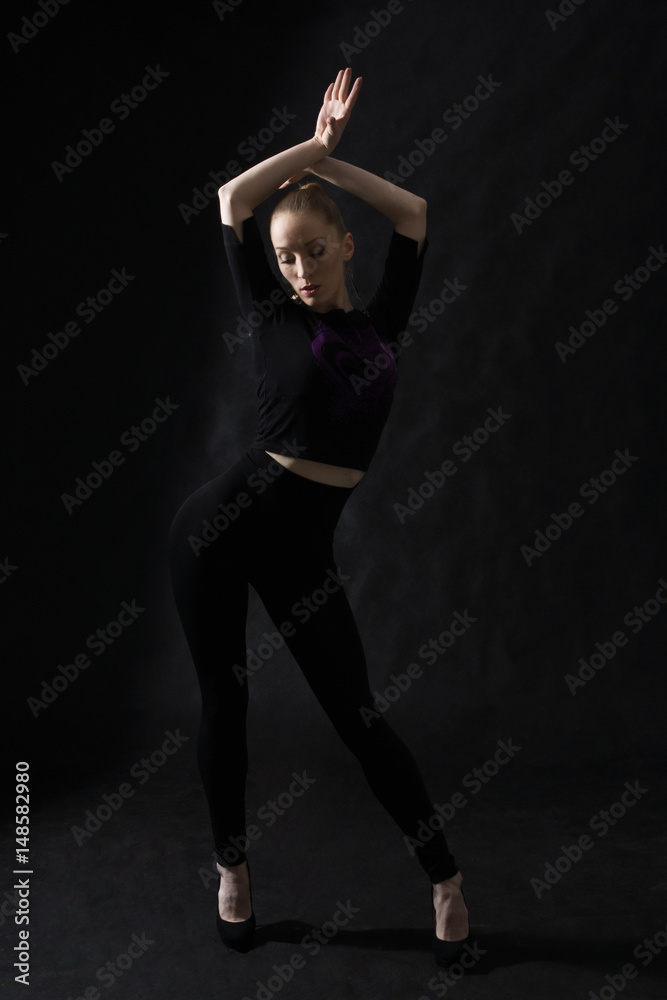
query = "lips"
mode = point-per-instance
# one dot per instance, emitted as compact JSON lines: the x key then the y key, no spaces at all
{"x":309,"y":289}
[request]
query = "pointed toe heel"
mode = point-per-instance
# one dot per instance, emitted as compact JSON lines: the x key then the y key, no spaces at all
{"x":237,"y":934}
{"x":447,"y":952}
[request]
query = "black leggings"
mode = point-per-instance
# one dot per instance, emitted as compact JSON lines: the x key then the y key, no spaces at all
{"x":261,"y":524}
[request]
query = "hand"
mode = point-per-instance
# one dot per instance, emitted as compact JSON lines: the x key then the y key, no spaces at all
{"x":295,"y":178}
{"x":336,"y":109}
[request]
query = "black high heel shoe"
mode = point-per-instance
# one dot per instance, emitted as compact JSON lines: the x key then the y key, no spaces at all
{"x":236,"y":934}
{"x":446,"y":952}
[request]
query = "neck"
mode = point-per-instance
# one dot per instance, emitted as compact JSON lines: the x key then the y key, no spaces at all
{"x":347,"y":304}
{"x":341,"y":301}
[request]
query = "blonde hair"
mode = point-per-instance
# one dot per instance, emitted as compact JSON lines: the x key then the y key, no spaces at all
{"x":311,"y":197}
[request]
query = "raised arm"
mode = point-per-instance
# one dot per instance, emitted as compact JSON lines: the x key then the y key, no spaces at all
{"x":407,"y":211}
{"x":239,"y":196}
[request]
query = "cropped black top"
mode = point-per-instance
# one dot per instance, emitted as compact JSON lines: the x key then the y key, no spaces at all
{"x":325,"y":381}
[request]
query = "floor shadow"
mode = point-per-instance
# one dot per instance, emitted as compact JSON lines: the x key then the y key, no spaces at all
{"x":485,"y":951}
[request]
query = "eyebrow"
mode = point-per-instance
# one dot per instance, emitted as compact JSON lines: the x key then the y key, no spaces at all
{"x":305,"y":244}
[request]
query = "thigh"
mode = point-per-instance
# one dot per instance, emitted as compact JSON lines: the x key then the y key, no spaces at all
{"x":306,"y":598}
{"x":209,"y":574}
{"x":210,"y":523}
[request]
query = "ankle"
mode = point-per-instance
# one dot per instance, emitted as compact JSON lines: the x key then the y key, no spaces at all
{"x":232,"y":871}
{"x":448,"y":885}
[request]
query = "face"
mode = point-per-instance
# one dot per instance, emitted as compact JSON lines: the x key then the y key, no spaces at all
{"x":312,"y":255}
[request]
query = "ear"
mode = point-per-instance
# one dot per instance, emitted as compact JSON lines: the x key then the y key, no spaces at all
{"x":348,"y":246}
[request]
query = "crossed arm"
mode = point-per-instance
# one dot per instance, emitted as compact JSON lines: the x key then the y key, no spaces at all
{"x":239,"y":196}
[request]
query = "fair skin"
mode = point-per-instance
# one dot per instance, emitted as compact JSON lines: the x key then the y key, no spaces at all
{"x":298,"y":241}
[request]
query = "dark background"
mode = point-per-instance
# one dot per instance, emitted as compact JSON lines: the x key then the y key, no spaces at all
{"x":494,"y":347}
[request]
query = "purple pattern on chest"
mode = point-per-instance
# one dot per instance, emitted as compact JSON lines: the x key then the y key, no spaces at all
{"x":360,"y":369}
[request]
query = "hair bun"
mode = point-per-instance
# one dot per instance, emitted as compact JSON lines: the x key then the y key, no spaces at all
{"x":311,"y":197}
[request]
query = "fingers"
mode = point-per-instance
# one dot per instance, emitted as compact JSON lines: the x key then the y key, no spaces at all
{"x":342,"y":86}
{"x":342,"y":80}
{"x":340,"y":100}
{"x":352,"y":99}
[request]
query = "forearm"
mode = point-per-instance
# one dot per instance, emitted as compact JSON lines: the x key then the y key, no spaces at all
{"x":239,"y":196}
{"x":397,"y":204}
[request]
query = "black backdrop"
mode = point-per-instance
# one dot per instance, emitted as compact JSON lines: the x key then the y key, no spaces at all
{"x":534,"y":255}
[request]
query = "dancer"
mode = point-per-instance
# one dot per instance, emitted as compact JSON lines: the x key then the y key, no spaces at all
{"x":325,"y":376}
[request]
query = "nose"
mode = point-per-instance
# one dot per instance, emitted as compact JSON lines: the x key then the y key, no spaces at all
{"x":305,"y":267}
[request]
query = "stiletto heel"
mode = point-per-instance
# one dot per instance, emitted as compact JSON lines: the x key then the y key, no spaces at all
{"x":236,"y":934}
{"x":446,"y":952}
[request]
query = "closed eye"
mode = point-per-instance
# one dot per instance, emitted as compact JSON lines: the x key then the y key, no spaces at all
{"x":317,"y":254}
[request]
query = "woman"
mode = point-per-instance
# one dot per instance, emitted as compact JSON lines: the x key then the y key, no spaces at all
{"x":269,"y":520}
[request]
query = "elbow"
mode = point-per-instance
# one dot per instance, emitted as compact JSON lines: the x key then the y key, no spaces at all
{"x":225,"y":193}
{"x":226,"y":205}
{"x":230,"y":192}
{"x":233,"y":208}
{"x":421,"y":207}
{"x":412,"y":221}
{"x":415,"y":213}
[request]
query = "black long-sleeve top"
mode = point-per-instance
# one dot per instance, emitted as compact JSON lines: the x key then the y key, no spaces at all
{"x":325,"y":381}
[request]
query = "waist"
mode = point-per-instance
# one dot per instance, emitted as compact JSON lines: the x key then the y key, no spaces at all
{"x":319,"y":472}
